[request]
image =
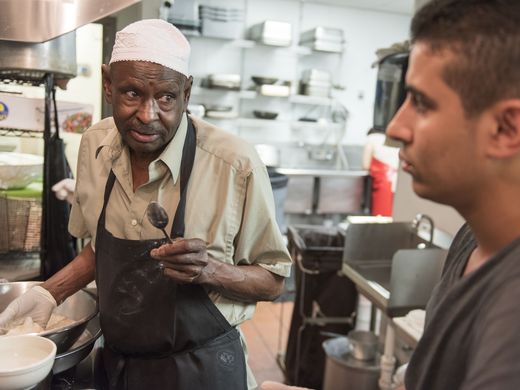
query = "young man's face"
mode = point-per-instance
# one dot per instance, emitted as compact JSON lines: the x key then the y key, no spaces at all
{"x":440,"y":145}
{"x":148,"y":102}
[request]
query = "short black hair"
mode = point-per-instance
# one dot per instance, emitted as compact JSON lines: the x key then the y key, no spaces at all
{"x":484,"y":36}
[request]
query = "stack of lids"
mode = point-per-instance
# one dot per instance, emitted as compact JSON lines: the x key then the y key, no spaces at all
{"x":316,"y":82}
{"x":223,"y":81}
{"x":184,"y":14}
{"x":272,"y":33}
{"x":220,"y":22}
{"x":323,"y":39}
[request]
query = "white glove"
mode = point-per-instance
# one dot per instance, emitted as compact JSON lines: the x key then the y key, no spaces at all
{"x":64,"y":189}
{"x":398,"y":379}
{"x":36,"y":303}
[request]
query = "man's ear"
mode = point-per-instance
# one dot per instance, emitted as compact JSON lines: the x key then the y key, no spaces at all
{"x":505,"y":137}
{"x":187,"y":91}
{"x":107,"y":82}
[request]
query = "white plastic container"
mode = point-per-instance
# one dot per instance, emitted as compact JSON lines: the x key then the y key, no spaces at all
{"x":25,"y":361}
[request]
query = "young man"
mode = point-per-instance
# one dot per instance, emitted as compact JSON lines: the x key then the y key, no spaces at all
{"x":169,"y":311}
{"x":460,"y":134}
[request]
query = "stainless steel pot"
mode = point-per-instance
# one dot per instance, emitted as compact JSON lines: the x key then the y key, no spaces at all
{"x":23,"y":60}
{"x":80,"y":307}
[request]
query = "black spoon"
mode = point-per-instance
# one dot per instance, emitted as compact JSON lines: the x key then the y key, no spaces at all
{"x":158,"y":217}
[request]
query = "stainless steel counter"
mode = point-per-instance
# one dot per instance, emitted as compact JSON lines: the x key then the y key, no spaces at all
{"x":401,"y":284}
{"x":371,"y":289}
{"x":323,"y":179}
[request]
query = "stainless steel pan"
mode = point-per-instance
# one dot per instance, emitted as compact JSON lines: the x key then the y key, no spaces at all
{"x":80,"y":307}
{"x":81,"y":348}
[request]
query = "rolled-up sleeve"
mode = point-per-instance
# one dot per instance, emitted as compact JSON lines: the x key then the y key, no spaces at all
{"x":259,"y":240}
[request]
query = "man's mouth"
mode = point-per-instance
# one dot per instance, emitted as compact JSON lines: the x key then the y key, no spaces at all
{"x":141,"y":137}
{"x":405,"y":164}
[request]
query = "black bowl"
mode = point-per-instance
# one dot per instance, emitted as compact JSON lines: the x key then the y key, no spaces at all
{"x":259,"y":80}
{"x":265,"y":114}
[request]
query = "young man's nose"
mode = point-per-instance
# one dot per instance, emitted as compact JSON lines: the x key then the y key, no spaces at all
{"x":398,"y":129}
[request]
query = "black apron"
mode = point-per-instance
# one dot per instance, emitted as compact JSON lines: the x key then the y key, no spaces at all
{"x":160,"y":334}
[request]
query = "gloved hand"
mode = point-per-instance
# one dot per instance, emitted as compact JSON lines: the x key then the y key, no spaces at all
{"x":64,"y":189}
{"x":398,"y":379}
{"x":36,"y":303}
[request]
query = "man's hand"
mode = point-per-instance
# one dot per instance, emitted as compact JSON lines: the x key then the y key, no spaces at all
{"x":36,"y":303}
{"x":183,"y":260}
{"x":187,"y":261}
{"x":64,"y":189}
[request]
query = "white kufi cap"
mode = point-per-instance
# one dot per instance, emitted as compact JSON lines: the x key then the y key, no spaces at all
{"x":153,"y":40}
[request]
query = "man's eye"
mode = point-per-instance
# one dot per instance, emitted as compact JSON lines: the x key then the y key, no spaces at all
{"x":131,"y":94}
{"x":419,"y":103}
{"x":166,"y":99}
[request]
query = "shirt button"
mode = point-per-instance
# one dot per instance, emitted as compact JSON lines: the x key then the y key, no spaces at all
{"x":134,"y":222}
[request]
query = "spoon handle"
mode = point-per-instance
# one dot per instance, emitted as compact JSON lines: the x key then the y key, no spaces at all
{"x":167,"y":236}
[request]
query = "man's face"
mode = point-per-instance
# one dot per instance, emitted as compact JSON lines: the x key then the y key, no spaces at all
{"x":440,"y":145}
{"x":148,"y":101}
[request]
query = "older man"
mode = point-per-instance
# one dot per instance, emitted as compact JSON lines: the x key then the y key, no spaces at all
{"x":169,"y":310}
{"x":460,"y":130}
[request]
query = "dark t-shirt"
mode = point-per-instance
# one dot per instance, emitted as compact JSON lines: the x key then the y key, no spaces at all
{"x":471,"y":338}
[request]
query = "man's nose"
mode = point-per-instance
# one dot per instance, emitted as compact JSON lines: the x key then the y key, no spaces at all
{"x":148,"y":111}
{"x":398,"y":130}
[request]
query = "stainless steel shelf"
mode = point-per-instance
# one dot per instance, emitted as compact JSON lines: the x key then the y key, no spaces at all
{"x":21,"y":133}
{"x":22,"y":77}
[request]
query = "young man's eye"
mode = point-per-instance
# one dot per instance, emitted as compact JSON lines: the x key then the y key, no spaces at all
{"x":418,"y":102}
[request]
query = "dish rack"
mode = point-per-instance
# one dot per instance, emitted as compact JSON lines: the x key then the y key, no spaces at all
{"x":20,"y":223}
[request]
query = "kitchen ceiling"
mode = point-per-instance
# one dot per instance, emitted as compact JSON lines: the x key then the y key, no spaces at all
{"x":398,"y":6}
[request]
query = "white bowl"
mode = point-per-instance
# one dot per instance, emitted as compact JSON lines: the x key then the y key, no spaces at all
{"x":25,"y":360}
{"x":17,"y":170}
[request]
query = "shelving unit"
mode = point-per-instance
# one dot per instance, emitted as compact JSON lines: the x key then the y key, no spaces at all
{"x":249,"y":57}
{"x":254,"y":122}
{"x":8,"y":132}
{"x":252,"y":94}
{"x":51,"y":225}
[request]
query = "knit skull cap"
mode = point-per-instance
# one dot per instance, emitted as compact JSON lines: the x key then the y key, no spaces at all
{"x":153,"y":40}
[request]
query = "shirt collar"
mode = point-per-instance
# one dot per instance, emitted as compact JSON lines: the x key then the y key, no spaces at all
{"x":171,"y":155}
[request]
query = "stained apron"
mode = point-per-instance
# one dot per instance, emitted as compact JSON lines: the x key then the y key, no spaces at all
{"x":160,"y":334}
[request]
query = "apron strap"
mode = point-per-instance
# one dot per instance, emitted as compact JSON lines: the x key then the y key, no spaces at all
{"x":188,"y":157}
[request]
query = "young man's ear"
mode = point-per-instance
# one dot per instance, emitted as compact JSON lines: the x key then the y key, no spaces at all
{"x":505,"y":138}
{"x":107,"y":82}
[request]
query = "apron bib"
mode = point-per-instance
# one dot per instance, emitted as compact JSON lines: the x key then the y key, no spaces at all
{"x":160,"y":334}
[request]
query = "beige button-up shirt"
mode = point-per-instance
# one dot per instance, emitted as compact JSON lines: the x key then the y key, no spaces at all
{"x":229,"y":201}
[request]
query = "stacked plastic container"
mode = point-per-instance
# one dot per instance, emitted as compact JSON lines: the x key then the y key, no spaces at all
{"x":220,"y":22}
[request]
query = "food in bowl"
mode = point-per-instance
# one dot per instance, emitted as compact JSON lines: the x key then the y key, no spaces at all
{"x":26,"y":325}
{"x":25,"y":361}
{"x":80,"y":307}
